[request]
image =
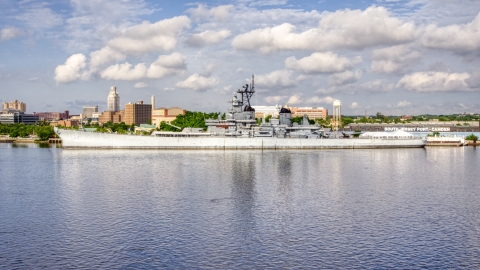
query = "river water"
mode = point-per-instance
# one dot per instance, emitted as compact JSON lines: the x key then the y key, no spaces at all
{"x":337,"y":209}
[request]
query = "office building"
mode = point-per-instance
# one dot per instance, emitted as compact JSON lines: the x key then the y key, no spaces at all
{"x":50,"y":116}
{"x":18,"y":117}
{"x":137,"y":113}
{"x":113,"y":102}
{"x":264,"y":111}
{"x":313,"y":113}
{"x":114,"y":117}
{"x":16,"y":105}
{"x":163,"y":114}
{"x":89,"y":110}
{"x":66,"y":123}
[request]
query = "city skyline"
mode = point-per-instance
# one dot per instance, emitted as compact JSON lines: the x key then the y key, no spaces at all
{"x":397,"y":57}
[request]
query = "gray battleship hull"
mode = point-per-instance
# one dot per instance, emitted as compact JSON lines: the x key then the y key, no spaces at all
{"x":72,"y":139}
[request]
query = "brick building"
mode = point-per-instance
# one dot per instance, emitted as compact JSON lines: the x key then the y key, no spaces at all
{"x":49,"y":116}
{"x":114,"y":117}
{"x":16,"y":105}
{"x":164,"y":114}
{"x":312,"y":112}
{"x":137,"y":113}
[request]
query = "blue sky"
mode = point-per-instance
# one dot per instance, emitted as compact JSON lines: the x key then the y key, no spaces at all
{"x":391,"y":56}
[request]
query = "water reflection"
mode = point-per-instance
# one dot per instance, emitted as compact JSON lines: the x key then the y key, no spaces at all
{"x":389,"y":208}
{"x":243,"y":180}
{"x":20,"y":145}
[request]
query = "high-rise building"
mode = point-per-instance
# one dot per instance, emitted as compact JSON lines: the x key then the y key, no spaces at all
{"x":16,"y":105}
{"x":113,"y":100}
{"x":89,"y":110}
{"x":137,"y":113}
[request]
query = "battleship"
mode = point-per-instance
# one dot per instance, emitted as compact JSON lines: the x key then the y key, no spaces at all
{"x":240,"y":130}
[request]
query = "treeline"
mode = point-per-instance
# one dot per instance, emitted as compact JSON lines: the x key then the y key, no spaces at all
{"x":190,"y":119}
{"x":120,"y":128}
{"x":43,"y":130}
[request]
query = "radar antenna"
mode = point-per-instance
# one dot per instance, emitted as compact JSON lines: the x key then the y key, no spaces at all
{"x":247,"y":93}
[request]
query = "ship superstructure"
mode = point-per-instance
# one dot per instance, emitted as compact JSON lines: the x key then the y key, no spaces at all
{"x":240,"y":121}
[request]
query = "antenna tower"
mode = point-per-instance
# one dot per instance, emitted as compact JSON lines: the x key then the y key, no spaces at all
{"x":247,"y":93}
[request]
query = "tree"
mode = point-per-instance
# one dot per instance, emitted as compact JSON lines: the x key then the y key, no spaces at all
{"x":472,"y":137}
{"x":346,"y":121}
{"x":14,"y":133}
{"x":297,"y":119}
{"x":44,"y":133}
{"x":267,"y":119}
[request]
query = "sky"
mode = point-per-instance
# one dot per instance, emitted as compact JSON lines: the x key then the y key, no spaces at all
{"x":397,"y":57}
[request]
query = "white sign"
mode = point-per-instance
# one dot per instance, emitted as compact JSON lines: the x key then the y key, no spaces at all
{"x":418,"y":129}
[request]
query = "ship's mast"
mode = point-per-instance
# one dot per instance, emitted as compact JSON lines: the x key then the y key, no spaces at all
{"x":247,"y":93}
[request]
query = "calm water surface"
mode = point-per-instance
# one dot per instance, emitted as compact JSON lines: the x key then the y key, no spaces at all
{"x":340,"y":209}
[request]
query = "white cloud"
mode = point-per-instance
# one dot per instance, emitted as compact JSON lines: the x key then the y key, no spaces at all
{"x":73,"y":69}
{"x":294,"y":99}
{"x":274,"y":99}
{"x":207,"y":37}
{"x":377,"y":85}
{"x":104,"y":56}
{"x":165,"y":65}
{"x":38,"y":17}
{"x":275,"y":79}
{"x":198,"y":83}
{"x":323,"y":91}
{"x":460,"y":38}
{"x":403,"y":103}
{"x":220,"y":13}
{"x":95,"y":12}
{"x":354,"y":105}
{"x":347,"y":77}
{"x":392,"y":59}
{"x":148,"y":37}
{"x":268,"y":3}
{"x":208,"y":70}
{"x":11,"y":32}
{"x":140,"y":85}
{"x":353,"y":29}
{"x":474,"y":80}
{"x":434,"y":82}
{"x":95,"y":22}
{"x":318,"y":62}
{"x":325,"y":100}
{"x":125,"y":71}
